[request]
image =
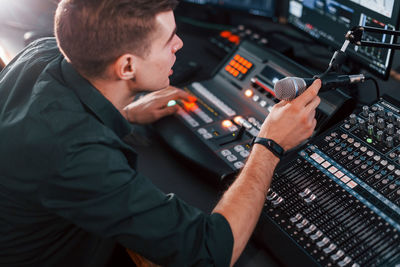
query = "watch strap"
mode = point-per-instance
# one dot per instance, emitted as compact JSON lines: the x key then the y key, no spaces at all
{"x":271,"y":145}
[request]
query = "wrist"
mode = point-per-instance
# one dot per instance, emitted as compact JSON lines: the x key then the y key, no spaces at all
{"x":271,"y":145}
{"x":128,"y":117}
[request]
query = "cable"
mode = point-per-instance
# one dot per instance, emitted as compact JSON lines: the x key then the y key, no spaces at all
{"x":378,"y":91}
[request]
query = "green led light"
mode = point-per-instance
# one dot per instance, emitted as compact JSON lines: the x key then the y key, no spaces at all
{"x":369,"y":140}
{"x":171,"y":103}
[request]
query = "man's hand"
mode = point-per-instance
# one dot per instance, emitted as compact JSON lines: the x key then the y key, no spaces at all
{"x":290,"y":123}
{"x":153,"y":106}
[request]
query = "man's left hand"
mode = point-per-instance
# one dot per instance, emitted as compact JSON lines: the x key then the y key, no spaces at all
{"x":154,"y":106}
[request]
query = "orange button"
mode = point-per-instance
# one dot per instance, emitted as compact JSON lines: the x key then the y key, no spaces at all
{"x":228,"y":68}
{"x":233,"y":62}
{"x":241,"y":60}
{"x":249,"y":93}
{"x":237,"y":57}
{"x":245,"y":70}
{"x":227,"y":123}
{"x":234,"y":39}
{"x":235,"y":73}
{"x":225,"y":34}
{"x":249,"y":65}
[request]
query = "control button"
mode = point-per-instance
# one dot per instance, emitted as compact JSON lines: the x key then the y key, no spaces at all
{"x":390,"y":116}
{"x":316,"y":236}
{"x":390,"y":128}
{"x":256,"y":98}
{"x":231,"y":158}
{"x":272,"y":196}
{"x":277,"y":201}
{"x":244,"y":153}
{"x":381,"y":111}
{"x":296,"y":218}
{"x":202,"y":131}
{"x":345,"y":261}
{"x":337,"y":255}
{"x":323,"y":242}
{"x":365,"y":111}
{"x":389,"y":141}
{"x":329,"y":249}
{"x":371,"y":118}
{"x":381,"y":123}
{"x":207,"y":136}
{"x":263,"y":103}
{"x":302,"y":224}
{"x":239,"y":148}
{"x":238,"y":165}
{"x":310,"y":229}
{"x":345,"y":179}
{"x":353,"y":119}
{"x":310,"y":199}
{"x":226,"y":152}
{"x":305,"y":193}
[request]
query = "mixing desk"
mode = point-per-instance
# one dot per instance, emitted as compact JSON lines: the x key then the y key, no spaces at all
{"x":336,"y":202}
{"x":215,"y":132}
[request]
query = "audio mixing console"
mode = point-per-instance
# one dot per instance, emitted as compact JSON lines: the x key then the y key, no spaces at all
{"x":216,"y":131}
{"x":336,"y":202}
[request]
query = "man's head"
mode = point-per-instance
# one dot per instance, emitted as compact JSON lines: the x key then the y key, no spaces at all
{"x":94,"y":34}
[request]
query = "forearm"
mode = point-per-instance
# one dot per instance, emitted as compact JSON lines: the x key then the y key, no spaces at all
{"x":242,"y":203}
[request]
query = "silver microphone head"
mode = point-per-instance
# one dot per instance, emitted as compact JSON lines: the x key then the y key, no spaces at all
{"x":289,"y":88}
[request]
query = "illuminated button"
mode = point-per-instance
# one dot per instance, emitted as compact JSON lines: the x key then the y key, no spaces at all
{"x":319,"y":160}
{"x":249,"y":93}
{"x":245,"y":70}
{"x":352,"y":184}
{"x":339,"y":174}
{"x":332,"y":169}
{"x":345,"y":179}
{"x":326,"y":164}
{"x":239,"y":120}
{"x":240,"y":60}
{"x":171,"y":103}
{"x":237,"y":57}
{"x":235,"y":73}
{"x":227,"y":123}
{"x":249,"y":65}
{"x":225,"y":34}
{"x":232,"y":63}
{"x":234,"y":39}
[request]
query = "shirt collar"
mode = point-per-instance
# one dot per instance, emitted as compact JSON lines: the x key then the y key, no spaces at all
{"x":103,"y":109}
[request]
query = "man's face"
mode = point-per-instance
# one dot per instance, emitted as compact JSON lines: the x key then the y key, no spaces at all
{"x":153,"y":71}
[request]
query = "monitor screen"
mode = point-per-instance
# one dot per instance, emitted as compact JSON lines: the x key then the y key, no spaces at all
{"x":264,"y":8}
{"x":329,"y":20}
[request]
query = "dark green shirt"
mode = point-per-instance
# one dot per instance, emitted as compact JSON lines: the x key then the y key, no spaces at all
{"x":68,"y":185}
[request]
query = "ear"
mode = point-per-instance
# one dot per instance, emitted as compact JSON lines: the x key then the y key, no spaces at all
{"x":125,"y":67}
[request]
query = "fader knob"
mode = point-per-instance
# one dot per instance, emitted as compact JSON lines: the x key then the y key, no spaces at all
{"x":381,"y":112}
{"x":390,"y":129}
{"x":370,"y":129}
{"x":365,"y":111}
{"x":389,"y":141}
{"x":353,"y":119}
{"x":361,"y":124}
{"x":390,"y":116}
{"x":379,"y":136}
{"x":381,"y":123}
{"x":371,"y":118}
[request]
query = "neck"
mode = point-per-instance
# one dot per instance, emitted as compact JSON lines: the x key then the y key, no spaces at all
{"x":116,"y":91}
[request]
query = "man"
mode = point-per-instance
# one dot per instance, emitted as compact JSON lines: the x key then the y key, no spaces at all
{"x":68,"y":186}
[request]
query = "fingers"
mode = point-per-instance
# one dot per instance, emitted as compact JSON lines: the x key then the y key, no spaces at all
{"x":309,"y":94}
{"x":174,"y":93}
{"x":160,"y":113}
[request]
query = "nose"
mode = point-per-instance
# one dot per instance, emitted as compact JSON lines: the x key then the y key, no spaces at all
{"x":178,"y":45}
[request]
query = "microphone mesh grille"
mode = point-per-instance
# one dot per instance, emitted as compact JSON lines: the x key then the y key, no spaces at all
{"x":285,"y":89}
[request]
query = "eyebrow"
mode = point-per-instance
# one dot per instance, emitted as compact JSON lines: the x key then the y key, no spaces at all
{"x":172,"y":35}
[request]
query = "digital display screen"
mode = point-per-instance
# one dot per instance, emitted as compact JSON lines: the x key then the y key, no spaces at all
{"x":329,"y":21}
{"x":264,"y":8}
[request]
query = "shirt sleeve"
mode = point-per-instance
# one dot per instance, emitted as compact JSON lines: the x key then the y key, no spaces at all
{"x":97,"y":190}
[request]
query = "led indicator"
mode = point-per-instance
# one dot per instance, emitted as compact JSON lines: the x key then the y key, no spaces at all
{"x":227,"y":123}
{"x":171,"y":103}
{"x":369,"y":141}
{"x":249,"y":93}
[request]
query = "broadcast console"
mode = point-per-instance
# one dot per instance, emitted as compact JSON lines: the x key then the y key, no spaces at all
{"x":336,"y":202}
{"x":215,"y":132}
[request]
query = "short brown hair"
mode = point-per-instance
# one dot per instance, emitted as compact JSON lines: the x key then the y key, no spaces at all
{"x":94,"y":33}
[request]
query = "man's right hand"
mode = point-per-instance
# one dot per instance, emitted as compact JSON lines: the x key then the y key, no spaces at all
{"x":290,"y":123}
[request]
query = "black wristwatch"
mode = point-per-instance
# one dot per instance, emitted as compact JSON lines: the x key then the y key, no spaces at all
{"x":271,"y":145}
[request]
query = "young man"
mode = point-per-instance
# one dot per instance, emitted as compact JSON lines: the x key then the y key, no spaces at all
{"x":68,"y":186}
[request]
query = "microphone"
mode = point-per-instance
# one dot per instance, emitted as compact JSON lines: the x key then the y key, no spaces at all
{"x":291,"y":87}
